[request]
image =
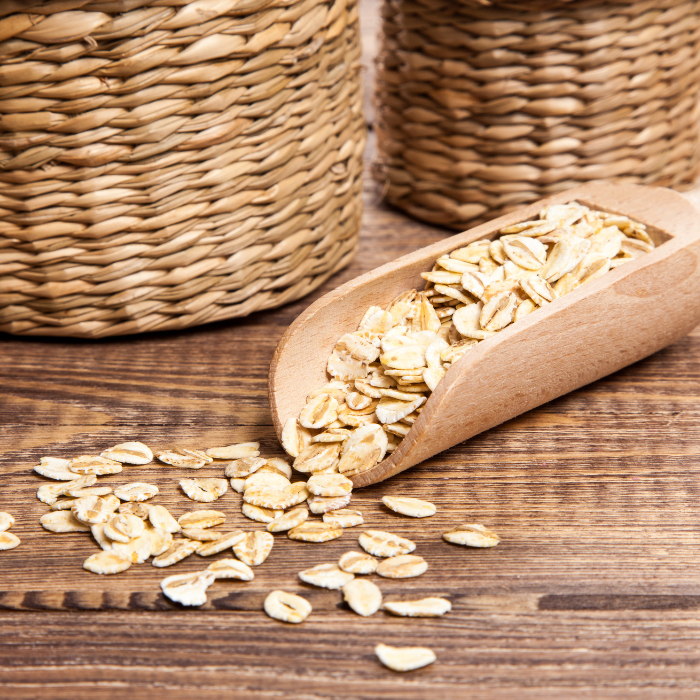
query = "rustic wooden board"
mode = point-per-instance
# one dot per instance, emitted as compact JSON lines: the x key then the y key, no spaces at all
{"x":594,"y":591}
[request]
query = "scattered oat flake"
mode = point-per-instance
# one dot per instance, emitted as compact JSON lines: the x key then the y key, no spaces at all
{"x":97,"y":531}
{"x":265,"y":479}
{"x":160,"y":517}
{"x":471,"y":536}
{"x":275,"y":499}
{"x":55,"y":468}
{"x":136,"y":491}
{"x":106,"y":562}
{"x":317,"y":457}
{"x":137,"y":549}
{"x":294,"y":438}
{"x":91,"y":510}
{"x":319,"y":504}
{"x":237,"y":485}
{"x":227,"y":540}
{"x":49,"y":493}
{"x":140,"y":510}
{"x":95,"y":465}
{"x":358,"y":563}
{"x":202,"y":519}
{"x":289,"y":520}
{"x":402,"y":566}
{"x":184,"y":459}
{"x":425,"y":607}
{"x":344,"y":517}
{"x":231,"y":568}
{"x":243,"y":467}
{"x":89,"y":491}
{"x":123,"y":527}
{"x":239,"y":451}
{"x":404,"y":658}
{"x":260,"y":515}
{"x":6,"y":521}
{"x":129,"y":453}
{"x":329,"y":485}
{"x":200,"y":535}
{"x":363,"y":596}
{"x":177,"y":552}
{"x":287,"y":607}
{"x":188,"y":589}
{"x":384,"y":544}
{"x":254,"y":548}
{"x":281,"y":465}
{"x":413,"y":507}
{"x":161,"y":541}
{"x":329,"y":576}
{"x":204,"y":490}
{"x":63,"y":504}
{"x":315,"y":531}
{"x":112,"y":502}
{"x":8,"y":541}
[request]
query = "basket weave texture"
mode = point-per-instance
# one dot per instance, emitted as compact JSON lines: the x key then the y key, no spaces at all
{"x":485,"y":106}
{"x":165,"y":163}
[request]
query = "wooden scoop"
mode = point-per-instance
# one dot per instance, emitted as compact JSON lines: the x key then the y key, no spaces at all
{"x":623,"y":316}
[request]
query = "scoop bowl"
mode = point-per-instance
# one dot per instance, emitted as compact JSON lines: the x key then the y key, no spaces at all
{"x":620,"y":318}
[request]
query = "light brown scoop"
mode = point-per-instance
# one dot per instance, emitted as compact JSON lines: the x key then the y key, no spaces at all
{"x":620,"y":318}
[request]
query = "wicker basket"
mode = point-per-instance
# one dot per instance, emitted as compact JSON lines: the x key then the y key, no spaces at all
{"x":165,"y":163}
{"x":483,"y":107}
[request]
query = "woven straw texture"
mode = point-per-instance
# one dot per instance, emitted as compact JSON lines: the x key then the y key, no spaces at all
{"x":483,"y":107}
{"x":172,"y":162}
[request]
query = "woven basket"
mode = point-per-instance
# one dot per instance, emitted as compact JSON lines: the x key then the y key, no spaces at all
{"x":165,"y":163}
{"x":483,"y":107}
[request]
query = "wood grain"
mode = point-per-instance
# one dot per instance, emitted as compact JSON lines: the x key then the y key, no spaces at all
{"x":594,"y":591}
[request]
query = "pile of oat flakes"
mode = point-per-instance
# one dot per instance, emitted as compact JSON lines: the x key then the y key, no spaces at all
{"x":129,"y":528}
{"x":381,"y":375}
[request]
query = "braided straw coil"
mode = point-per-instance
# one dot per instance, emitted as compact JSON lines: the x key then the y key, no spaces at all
{"x":484,"y":106}
{"x":166,"y":163}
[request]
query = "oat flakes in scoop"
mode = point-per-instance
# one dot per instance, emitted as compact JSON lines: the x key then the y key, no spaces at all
{"x":381,"y":374}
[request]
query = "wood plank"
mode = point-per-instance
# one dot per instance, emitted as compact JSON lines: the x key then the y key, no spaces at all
{"x":641,"y":654}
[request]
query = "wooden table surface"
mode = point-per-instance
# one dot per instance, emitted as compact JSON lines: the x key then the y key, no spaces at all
{"x":594,"y":591}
